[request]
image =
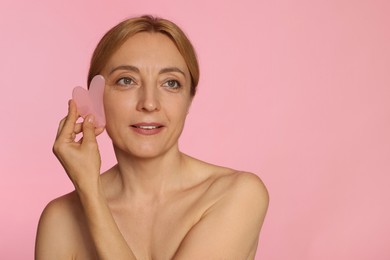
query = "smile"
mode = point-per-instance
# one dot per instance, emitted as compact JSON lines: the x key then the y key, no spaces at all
{"x":147,"y":128}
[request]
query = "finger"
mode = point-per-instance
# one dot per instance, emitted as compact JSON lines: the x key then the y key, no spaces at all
{"x":89,"y":129}
{"x":78,"y":128}
{"x":62,"y":122}
{"x":99,"y":130}
{"x":61,"y":125}
{"x":67,"y":130}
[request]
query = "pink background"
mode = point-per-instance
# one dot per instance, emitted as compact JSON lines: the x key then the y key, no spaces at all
{"x":295,"y":91}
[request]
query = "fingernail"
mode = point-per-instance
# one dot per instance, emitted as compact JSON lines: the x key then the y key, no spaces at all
{"x":91,"y":119}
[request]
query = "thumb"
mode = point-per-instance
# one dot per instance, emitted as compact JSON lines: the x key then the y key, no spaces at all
{"x":89,"y":129}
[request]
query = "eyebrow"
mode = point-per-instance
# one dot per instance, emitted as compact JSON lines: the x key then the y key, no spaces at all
{"x":135,"y":69}
{"x":124,"y":67}
{"x":172,"y":69}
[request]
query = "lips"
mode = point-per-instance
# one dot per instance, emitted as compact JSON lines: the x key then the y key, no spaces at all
{"x":147,"y":128}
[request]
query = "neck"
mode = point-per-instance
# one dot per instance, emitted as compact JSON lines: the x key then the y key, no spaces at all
{"x":150,"y":177}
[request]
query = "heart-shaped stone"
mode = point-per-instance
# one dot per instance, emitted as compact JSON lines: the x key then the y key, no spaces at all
{"x":91,"y":101}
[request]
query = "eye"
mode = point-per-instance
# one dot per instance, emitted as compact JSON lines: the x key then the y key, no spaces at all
{"x":172,"y":84}
{"x":125,"y":81}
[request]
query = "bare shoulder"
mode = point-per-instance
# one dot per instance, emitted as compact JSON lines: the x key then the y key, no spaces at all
{"x":244,"y":188}
{"x":235,"y":203}
{"x":65,"y":209}
{"x":232,"y":184}
{"x":251,"y":184}
{"x":60,"y":229}
{"x":64,"y":203}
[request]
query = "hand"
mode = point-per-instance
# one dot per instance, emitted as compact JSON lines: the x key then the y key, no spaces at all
{"x":80,"y":159}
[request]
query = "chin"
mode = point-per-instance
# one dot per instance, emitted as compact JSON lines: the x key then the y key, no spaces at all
{"x":146,"y":151}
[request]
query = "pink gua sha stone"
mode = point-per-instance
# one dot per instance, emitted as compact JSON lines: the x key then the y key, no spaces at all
{"x":91,"y":101}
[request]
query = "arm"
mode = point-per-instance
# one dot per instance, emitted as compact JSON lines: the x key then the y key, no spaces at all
{"x":230,"y":228}
{"x":105,"y":234}
{"x":81,"y":161}
{"x":55,"y":227}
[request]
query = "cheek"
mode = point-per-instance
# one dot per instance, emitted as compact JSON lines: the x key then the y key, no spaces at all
{"x":180,"y":111}
{"x":109,"y":108}
{"x":115,"y":107}
{"x":116,"y":111}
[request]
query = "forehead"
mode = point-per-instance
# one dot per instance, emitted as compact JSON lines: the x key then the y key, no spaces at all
{"x":148,"y":50}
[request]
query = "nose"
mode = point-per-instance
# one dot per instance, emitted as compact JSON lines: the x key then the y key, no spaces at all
{"x":148,"y":100}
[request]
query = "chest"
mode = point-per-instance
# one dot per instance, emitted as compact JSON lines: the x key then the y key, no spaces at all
{"x":156,"y":232}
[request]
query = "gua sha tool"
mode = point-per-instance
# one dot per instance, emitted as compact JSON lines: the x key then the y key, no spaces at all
{"x":91,"y":101}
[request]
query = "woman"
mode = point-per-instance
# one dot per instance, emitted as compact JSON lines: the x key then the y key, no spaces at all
{"x":156,"y":202}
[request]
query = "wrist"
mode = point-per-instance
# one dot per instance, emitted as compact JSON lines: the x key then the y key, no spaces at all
{"x":89,"y":188}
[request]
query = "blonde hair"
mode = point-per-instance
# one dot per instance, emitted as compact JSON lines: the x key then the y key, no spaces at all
{"x":115,"y":37}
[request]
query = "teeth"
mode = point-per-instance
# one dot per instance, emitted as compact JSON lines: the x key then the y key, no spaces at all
{"x":148,"y":127}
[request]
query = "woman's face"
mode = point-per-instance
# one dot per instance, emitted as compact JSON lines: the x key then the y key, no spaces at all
{"x":147,"y":95}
